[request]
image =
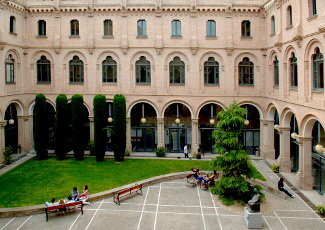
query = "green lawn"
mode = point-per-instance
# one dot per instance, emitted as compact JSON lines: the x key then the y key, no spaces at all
{"x":35,"y":182}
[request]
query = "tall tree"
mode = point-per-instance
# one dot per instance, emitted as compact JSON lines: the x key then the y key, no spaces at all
{"x":234,"y":162}
{"x":61,"y":127}
{"x":119,"y":127}
{"x":100,"y":120}
{"x":77,"y":110}
{"x":41,"y":135}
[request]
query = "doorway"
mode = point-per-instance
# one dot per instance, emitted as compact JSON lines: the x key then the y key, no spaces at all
{"x":177,"y":139}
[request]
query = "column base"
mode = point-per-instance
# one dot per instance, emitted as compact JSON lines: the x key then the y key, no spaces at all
{"x":303,"y":182}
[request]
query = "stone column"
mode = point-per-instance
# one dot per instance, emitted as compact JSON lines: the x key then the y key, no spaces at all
{"x":195,"y":139}
{"x":2,"y":139}
{"x":267,"y":139}
{"x":21,"y":133}
{"x":128,"y":134}
{"x":160,"y":132}
{"x":91,"y":127}
{"x":284,"y":158}
{"x":304,"y":178}
{"x":27,"y":142}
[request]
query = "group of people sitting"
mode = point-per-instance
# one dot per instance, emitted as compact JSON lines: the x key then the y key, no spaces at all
{"x":75,"y":196}
{"x":207,"y":181}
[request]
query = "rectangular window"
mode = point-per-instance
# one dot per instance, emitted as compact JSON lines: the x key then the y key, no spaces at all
{"x":176,"y":28}
{"x":12,"y":24}
{"x":246,"y":29}
{"x":276,"y":73}
{"x":319,"y":75}
{"x":312,"y":7}
{"x":142,"y":28}
{"x":108,"y":28}
{"x":289,"y":15}
{"x":41,"y":28}
{"x":74,"y":27}
{"x":211,"y":28}
{"x":272,"y":25}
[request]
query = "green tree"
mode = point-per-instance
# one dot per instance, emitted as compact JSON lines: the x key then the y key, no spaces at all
{"x":100,"y":120}
{"x":61,"y":127}
{"x":41,"y":135}
{"x":234,"y":162}
{"x":119,"y":127}
{"x":77,"y":110}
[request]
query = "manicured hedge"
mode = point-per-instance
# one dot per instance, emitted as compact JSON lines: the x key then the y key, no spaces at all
{"x":100,"y":122}
{"x":119,"y":127}
{"x":41,"y":132}
{"x":77,"y":111}
{"x":61,"y":127}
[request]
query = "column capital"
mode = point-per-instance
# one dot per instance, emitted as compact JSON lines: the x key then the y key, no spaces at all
{"x":160,"y":119}
{"x":91,"y":118}
{"x":3,"y":123}
{"x":195,"y":120}
{"x":302,"y":139}
{"x":281,"y":129}
{"x":25,"y":117}
{"x":266,"y":120}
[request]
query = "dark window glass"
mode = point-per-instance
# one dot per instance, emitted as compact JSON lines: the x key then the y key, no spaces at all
{"x":211,"y":72}
{"x":246,"y":72}
{"x":74,"y":27}
{"x":108,"y":28}
{"x":76,"y":69}
{"x":294,"y":71}
{"x":246,"y":29}
{"x":142,"y":28}
{"x":142,"y":71}
{"x":109,"y":70}
{"x":318,"y":63}
{"x":9,"y":69}
{"x":43,"y":70}
{"x":177,"y":71}
{"x":41,"y":28}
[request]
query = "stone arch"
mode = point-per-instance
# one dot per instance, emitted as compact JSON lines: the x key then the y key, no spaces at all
{"x":32,"y":105}
{"x":204,"y":57}
{"x":251,"y":57}
{"x":37,"y":55}
{"x":177,"y":101}
{"x":308,"y":122}
{"x":129,"y":109}
{"x":173,"y":54}
{"x":270,"y":111}
{"x":310,"y":49}
{"x":206,"y":103}
{"x":15,"y":55}
{"x":69,"y":55}
{"x":146,"y":54}
{"x":19,"y":107}
{"x":102,"y":56}
{"x":286,"y":115}
{"x":287,"y":53}
{"x":253,"y":104}
{"x":272,"y":55}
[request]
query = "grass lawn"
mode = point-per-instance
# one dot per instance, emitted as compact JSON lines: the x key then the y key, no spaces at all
{"x":35,"y":182}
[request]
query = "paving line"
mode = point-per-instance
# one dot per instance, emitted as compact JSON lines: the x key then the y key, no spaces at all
{"x":280,"y":220}
{"x":267,"y":223}
{"x":24,"y":222}
{"x":94,"y":215}
{"x":198,"y":193}
{"x":282,"y":210}
{"x":144,"y":203}
{"x":75,"y":221}
{"x":215,"y":208}
{"x":7,"y":223}
{"x":157,"y":208}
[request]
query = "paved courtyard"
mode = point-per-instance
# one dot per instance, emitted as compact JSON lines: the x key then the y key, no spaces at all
{"x":172,"y":205}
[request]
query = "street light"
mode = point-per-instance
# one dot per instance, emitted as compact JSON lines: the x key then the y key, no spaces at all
{"x":319,"y":147}
{"x":212,"y":120}
{"x":143,"y":119}
{"x":294,"y":134}
{"x":110,"y":119}
{"x":177,"y":120}
{"x":246,"y":122}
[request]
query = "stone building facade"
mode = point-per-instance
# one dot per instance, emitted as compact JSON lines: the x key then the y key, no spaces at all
{"x":181,"y":59}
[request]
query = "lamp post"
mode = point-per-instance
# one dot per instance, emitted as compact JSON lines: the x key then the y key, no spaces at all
{"x":143,"y":119}
{"x":294,"y":134}
{"x":319,"y":147}
{"x":110,"y":119}
{"x":11,"y":121}
{"x":212,"y":120}
{"x":177,"y":120}
{"x":246,"y":122}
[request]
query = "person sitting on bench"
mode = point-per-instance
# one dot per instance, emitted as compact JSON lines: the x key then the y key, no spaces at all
{"x":84,"y":196}
{"x":69,"y":200}
{"x":75,"y":194}
{"x":201,"y":178}
{"x":47,"y":204}
{"x":194,"y":172}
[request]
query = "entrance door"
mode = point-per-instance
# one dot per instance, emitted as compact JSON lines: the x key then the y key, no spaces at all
{"x":207,"y":141}
{"x":177,"y":140}
{"x":143,"y":139}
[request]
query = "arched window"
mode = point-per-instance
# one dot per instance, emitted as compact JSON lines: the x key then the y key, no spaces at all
{"x":294,"y":71}
{"x":142,"y":28}
{"x":211,"y":28}
{"x":12,"y":26}
{"x":276,"y":72}
{"x":109,"y":70}
{"x":176,"y":28}
{"x":246,"y":72}
{"x":108,"y":27}
{"x":318,"y":63}
{"x":41,"y":28}
{"x":246,"y":29}
{"x":211,"y":72}
{"x":74,"y":25}
{"x":142,"y":71}
{"x":76,"y":70}
{"x":289,"y":15}
{"x":10,"y":67}
{"x":43,"y":70}
{"x":177,"y":71}
{"x":272,"y":25}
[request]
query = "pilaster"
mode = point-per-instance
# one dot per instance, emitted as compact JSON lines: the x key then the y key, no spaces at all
{"x":267,"y":139}
{"x":128,"y":134}
{"x":160,"y":132}
{"x":195,"y":131}
{"x":284,"y":158}
{"x":91,"y":127}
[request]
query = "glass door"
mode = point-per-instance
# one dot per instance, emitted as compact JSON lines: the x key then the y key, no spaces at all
{"x":177,"y":140}
{"x":251,"y":140}
{"x":207,"y":141}
{"x":143,"y":139}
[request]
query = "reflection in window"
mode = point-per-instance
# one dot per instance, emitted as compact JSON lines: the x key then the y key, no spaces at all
{"x":246,"y":72}
{"x":211,"y":28}
{"x":43,"y":70}
{"x":74,"y":24}
{"x":142,"y":28}
{"x":9,"y":67}
{"x":177,"y":71}
{"x":108,"y":28}
{"x":142,"y":71}
{"x":76,"y":69}
{"x":176,"y":28}
{"x":318,"y":63}
{"x":294,"y":71}
{"x":211,"y":72}
{"x":246,"y":29}
{"x":109,"y":70}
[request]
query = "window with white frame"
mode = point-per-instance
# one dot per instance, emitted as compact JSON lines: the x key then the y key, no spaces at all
{"x":177,"y":71}
{"x":142,"y":71}
{"x":293,"y":71}
{"x":10,"y":69}
{"x":211,"y":72}
{"x":109,"y":70}
{"x":318,"y":63}
{"x":276,"y":71}
{"x":142,"y":28}
{"x":74,"y":25}
{"x":211,"y":28}
{"x":108,"y":28}
{"x":41,"y":28}
{"x":246,"y":29}
{"x":176,"y":28}
{"x":43,"y":67}
{"x":246,"y":72}
{"x":76,"y":70}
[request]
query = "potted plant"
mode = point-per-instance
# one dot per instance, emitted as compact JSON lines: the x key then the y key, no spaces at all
{"x":7,"y":154}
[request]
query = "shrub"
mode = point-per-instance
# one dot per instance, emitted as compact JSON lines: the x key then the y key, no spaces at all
{"x":160,"y":152}
{"x":61,"y":127}
{"x":194,"y":155}
{"x":7,"y":155}
{"x":41,"y":135}
{"x":127,"y":153}
{"x":77,"y":111}
{"x":119,"y":127}
{"x":321,"y":209}
{"x":275,"y":168}
{"x":100,"y":122}
{"x":91,"y":147}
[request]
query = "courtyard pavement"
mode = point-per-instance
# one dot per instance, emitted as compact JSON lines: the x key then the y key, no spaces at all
{"x":172,"y":205}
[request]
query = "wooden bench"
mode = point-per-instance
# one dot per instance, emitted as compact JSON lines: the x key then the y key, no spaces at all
{"x":62,"y":208}
{"x":126,"y":192}
{"x":191,"y":180}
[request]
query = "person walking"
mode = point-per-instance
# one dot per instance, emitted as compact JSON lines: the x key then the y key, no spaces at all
{"x":186,"y":151}
{"x":280,"y":187}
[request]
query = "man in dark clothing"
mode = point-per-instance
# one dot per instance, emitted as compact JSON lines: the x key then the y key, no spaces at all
{"x":280,"y":187}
